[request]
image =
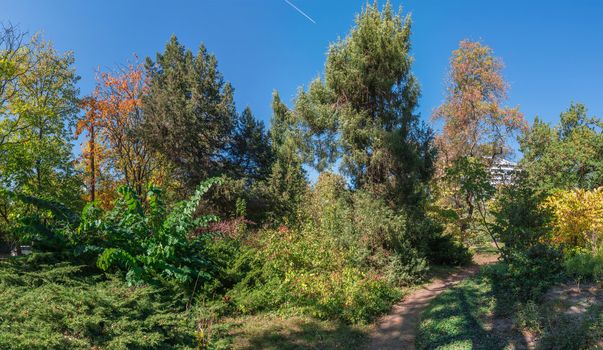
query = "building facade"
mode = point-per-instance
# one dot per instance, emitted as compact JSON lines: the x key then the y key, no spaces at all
{"x":502,"y":172}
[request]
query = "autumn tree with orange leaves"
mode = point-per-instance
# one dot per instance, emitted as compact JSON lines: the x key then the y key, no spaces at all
{"x":112,"y":121}
{"x":476,"y":130}
{"x":476,"y":123}
{"x":91,"y":149}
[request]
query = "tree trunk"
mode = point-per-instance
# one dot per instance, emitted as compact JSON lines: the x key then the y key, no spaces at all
{"x":92,"y":164}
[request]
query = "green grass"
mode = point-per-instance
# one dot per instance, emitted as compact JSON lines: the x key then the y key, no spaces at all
{"x":456,"y":319}
{"x":479,"y":314}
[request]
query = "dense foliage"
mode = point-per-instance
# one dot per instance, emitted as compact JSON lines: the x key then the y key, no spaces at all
{"x":38,"y":104}
{"x":52,"y":304}
{"x":190,"y":119}
{"x":522,"y":226}
{"x":363,"y":112}
{"x":475,"y":135}
{"x":150,"y":242}
{"x":346,"y":259}
{"x":564,"y":156}
{"x":182,"y":211}
{"x":578,"y":218}
{"x":114,"y":151}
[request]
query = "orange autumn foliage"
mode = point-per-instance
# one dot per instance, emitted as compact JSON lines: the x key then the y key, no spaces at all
{"x":476,"y":123}
{"x":113,"y":116}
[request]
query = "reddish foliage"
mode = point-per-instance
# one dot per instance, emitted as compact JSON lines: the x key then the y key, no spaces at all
{"x":113,"y":113}
{"x":473,"y":114}
{"x":228,"y":227}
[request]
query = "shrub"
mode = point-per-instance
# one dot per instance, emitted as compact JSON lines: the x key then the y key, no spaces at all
{"x":528,"y":317}
{"x":305,"y":271}
{"x":585,"y":266}
{"x":527,"y":274}
{"x":385,"y":239}
{"x":578,"y":218}
{"x":520,"y":221}
{"x":531,"y":265}
{"x":260,"y":202}
{"x":64,"y":305}
{"x":45,"y":227}
{"x":444,"y":250}
{"x":347,"y":260}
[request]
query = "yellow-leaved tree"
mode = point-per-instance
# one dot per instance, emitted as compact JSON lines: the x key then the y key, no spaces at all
{"x":578,"y":217}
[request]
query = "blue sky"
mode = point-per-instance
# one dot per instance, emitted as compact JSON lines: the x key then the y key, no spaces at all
{"x":553,"y":50}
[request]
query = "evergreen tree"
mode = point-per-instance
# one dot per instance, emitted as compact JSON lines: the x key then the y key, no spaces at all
{"x":288,"y":179}
{"x":363,"y":113}
{"x":189,"y":112}
{"x":250,"y":154}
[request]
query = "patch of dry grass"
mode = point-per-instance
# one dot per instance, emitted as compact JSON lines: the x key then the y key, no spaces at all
{"x":271,"y":331}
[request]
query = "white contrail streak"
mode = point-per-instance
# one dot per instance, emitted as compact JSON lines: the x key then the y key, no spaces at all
{"x":300,"y":11}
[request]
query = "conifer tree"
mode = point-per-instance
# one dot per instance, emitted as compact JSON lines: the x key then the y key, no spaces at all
{"x":189,"y":112}
{"x":250,"y":153}
{"x":363,"y":112}
{"x":288,"y":179}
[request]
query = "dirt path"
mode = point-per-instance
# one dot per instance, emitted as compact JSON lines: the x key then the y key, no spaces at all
{"x":396,"y":331}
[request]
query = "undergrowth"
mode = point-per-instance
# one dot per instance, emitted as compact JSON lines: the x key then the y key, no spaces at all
{"x":63,"y":305}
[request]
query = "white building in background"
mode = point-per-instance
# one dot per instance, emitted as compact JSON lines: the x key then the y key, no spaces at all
{"x":502,"y":172}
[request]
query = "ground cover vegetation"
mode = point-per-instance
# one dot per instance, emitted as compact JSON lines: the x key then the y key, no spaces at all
{"x":183,"y":223}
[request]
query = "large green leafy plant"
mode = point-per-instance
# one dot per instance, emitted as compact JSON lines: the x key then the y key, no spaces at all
{"x":146,"y":240}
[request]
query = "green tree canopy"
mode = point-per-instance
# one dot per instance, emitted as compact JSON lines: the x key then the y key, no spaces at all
{"x":189,"y":112}
{"x":568,"y":155}
{"x":363,"y":112}
{"x":36,"y":118}
{"x":250,"y":152}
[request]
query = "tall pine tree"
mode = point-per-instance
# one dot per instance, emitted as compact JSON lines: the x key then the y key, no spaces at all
{"x":363,"y":112}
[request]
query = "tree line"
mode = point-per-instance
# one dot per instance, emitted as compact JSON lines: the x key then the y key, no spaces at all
{"x":174,"y":183}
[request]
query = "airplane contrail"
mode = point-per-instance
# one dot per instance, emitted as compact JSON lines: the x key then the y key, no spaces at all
{"x":300,"y":11}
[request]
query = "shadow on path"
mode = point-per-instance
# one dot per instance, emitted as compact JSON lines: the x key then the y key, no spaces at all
{"x":397,"y":330}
